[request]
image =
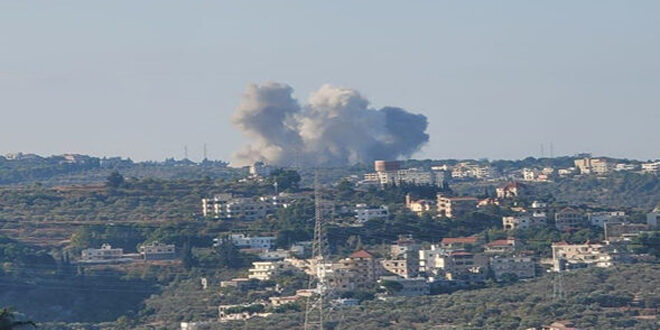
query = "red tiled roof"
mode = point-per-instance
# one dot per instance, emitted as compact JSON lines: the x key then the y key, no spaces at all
{"x":460,"y":253}
{"x":500,"y":242}
{"x":464,"y":240}
{"x":361,"y":254}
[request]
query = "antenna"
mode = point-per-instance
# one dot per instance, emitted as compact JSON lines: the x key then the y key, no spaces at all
{"x":205,"y":158}
{"x":552,"y":150}
{"x":541,"y":150}
{"x":185,"y":152}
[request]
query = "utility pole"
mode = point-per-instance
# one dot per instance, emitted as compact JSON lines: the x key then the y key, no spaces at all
{"x":205,"y":158}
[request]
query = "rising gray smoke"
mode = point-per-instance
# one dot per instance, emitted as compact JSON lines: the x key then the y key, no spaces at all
{"x":336,"y":127}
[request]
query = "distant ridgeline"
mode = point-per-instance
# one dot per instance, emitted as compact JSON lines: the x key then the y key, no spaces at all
{"x":25,"y":169}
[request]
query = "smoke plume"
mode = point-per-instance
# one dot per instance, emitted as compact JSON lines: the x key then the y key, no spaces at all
{"x":336,"y":127}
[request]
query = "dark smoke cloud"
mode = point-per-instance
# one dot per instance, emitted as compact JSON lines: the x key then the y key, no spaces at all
{"x":336,"y":127}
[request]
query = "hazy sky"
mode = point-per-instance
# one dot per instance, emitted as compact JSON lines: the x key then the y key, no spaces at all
{"x":141,"y":79}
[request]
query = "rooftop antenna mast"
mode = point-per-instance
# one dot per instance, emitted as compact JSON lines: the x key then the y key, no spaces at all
{"x":205,"y":158}
{"x":185,"y":152}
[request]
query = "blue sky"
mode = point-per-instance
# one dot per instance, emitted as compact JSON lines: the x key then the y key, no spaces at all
{"x":141,"y":79}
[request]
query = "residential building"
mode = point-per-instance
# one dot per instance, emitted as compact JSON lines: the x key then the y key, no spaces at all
{"x":239,"y":283}
{"x":227,"y":207}
{"x":560,"y":325}
{"x":568,"y":256}
{"x":467,"y":170}
{"x":364,"y":213}
{"x":409,"y":287}
{"x":420,"y":206}
{"x":590,"y":165}
{"x":386,"y":166}
{"x":451,"y":207}
{"x":601,"y":218}
{"x":569,"y":218}
{"x":389,"y":172}
{"x":501,"y":246}
{"x":621,"y":167}
{"x":257,"y":243}
{"x":510,"y":190}
{"x":523,"y":221}
{"x":265,"y":270}
{"x":460,"y":242}
{"x":520,"y":266}
{"x":461,"y":265}
{"x":106,"y":252}
{"x":563,"y":172}
{"x":405,"y":267}
{"x":157,"y":251}
{"x":427,"y":258}
{"x":653,"y":216}
{"x":357,"y":271}
{"x":652,"y":168}
{"x":404,"y":245}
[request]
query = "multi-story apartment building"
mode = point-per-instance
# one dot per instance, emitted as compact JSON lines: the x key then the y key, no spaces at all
{"x":501,"y":246}
{"x":568,"y":256}
{"x":225,"y":206}
{"x":266,"y":270}
{"x":509,"y":190}
{"x":569,"y":218}
{"x":467,"y":170}
{"x":590,"y":165}
{"x":460,"y":264}
{"x":427,"y":258}
{"x":520,"y":266}
{"x":157,"y":251}
{"x":260,"y":169}
{"x":601,"y":218}
{"x":409,"y":287}
{"x":405,"y":267}
{"x":451,"y":207}
{"x":106,"y":252}
{"x":388,"y":172}
{"x":652,"y":168}
{"x":364,"y":213}
{"x":357,"y":271}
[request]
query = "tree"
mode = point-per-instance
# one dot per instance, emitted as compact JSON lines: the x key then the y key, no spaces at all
{"x":285,"y":179}
{"x":8,"y":321}
{"x":188,"y":259}
{"x":114,"y":180}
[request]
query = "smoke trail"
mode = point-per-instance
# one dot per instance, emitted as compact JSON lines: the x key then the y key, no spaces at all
{"x":336,"y":127}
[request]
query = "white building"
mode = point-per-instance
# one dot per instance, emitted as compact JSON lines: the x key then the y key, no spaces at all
{"x":157,"y":251}
{"x":265,"y":270}
{"x":622,"y":167}
{"x":260,"y":169}
{"x":590,"y":165}
{"x":467,"y":170}
{"x":106,"y":252}
{"x":258,"y":242}
{"x":410,"y":287}
{"x":524,"y":221}
{"x":652,"y":168}
{"x":568,"y":256}
{"x":364,"y":213}
{"x":225,"y":206}
{"x":601,"y":218}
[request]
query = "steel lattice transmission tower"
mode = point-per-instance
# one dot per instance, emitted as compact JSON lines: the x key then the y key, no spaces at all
{"x":319,"y":304}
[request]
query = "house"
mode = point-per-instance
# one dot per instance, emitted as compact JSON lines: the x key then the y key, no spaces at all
{"x":519,"y":266}
{"x":406,"y":287}
{"x":510,"y":190}
{"x":257,"y":242}
{"x":601,"y":218}
{"x":420,"y":206}
{"x":404,"y":245}
{"x":524,"y":221}
{"x":623,"y":231}
{"x":568,"y":256}
{"x":158,"y":251}
{"x":427,"y":258}
{"x":363,"y":213}
{"x":460,"y":242}
{"x":653,"y":216}
{"x":260,"y":170}
{"x":300,"y":294}
{"x":106,"y":252}
{"x":266,"y":270}
{"x":501,"y":245}
{"x":389,"y":172}
{"x":569,"y":218}
{"x":239,"y":283}
{"x":452,"y":207}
